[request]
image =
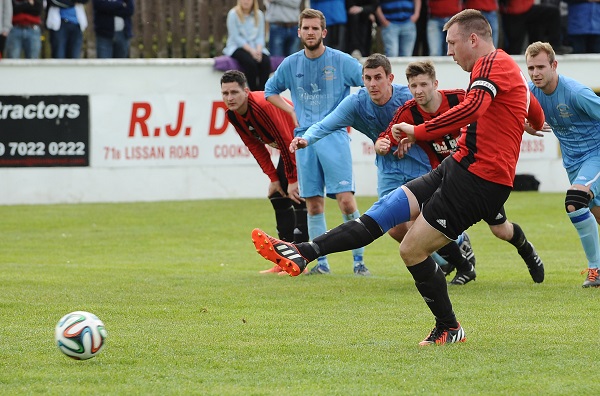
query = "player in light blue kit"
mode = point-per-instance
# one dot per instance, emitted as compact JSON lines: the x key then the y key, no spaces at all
{"x":319,"y":78}
{"x":573,"y":112}
{"x":370,"y":110}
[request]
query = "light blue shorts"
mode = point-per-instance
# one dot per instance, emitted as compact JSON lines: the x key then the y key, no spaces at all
{"x":588,"y":174}
{"x":326,"y":167}
{"x":388,"y":182}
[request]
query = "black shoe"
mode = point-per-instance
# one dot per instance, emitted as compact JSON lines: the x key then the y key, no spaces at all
{"x":467,"y":249}
{"x":535,"y":265}
{"x":447,"y":268}
{"x":463,"y":277}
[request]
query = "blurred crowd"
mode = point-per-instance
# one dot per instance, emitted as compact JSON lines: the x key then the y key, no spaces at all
{"x":22,"y":21}
{"x":358,"y":27}
{"x":415,"y":27}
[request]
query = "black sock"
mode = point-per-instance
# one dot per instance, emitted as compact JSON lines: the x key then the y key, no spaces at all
{"x":451,"y":252}
{"x":431,"y":283}
{"x":301,"y":230}
{"x":347,"y":236}
{"x":519,"y":240}
{"x":284,"y":216}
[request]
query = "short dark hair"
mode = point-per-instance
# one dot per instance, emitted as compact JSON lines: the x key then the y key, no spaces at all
{"x":420,"y":67}
{"x":471,"y":21}
{"x":234,"y":76}
{"x":375,"y":60}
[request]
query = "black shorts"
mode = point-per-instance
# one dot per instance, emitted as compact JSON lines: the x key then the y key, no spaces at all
{"x":452,"y":199}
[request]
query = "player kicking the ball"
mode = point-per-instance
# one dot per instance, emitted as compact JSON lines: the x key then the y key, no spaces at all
{"x":470,"y":185}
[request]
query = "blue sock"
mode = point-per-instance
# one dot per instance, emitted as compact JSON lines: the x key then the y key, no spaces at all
{"x":317,"y":226}
{"x":587,"y":228}
{"x":356,"y":253}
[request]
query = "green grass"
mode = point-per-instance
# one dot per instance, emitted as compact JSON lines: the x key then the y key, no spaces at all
{"x":177,"y":286}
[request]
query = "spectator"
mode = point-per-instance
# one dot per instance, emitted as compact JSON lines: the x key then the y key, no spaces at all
{"x":562,"y":8}
{"x":336,"y":18}
{"x":489,"y":9}
{"x":66,"y":20}
{"x":584,"y":26}
{"x":5,"y":22}
{"x":521,"y":18}
{"x":398,"y":25}
{"x":112,"y":24}
{"x":282,"y":16}
{"x":440,"y":12}
{"x":26,"y":35}
{"x":361,"y":15}
{"x":246,"y":42}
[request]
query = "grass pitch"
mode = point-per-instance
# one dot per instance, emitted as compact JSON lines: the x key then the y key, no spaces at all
{"x":177,"y":286}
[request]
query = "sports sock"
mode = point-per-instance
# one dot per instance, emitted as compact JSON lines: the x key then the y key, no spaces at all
{"x":519,"y":240}
{"x":587,"y":228}
{"x":301,"y":226}
{"x":357,"y":253}
{"x":346,"y":236}
{"x":284,"y":217}
{"x":317,"y":226}
{"x":451,"y":252}
{"x":431,"y":283}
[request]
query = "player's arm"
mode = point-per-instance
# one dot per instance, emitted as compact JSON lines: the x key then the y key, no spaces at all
{"x":341,"y":117}
{"x":279,"y":102}
{"x":535,"y":123}
{"x":260,"y":154}
{"x":474,"y":106}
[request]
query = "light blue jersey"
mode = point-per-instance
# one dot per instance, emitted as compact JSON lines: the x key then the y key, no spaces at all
{"x":573,"y":112}
{"x":317,"y":85}
{"x":364,"y":115}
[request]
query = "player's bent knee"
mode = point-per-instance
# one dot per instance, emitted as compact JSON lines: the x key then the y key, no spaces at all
{"x":576,"y":199}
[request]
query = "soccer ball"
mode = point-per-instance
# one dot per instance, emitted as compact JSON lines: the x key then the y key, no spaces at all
{"x":80,"y":335}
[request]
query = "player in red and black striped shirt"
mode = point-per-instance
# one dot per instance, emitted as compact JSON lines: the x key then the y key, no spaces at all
{"x":473,"y":183}
{"x":259,"y":123}
{"x":427,"y":105}
{"x":470,"y":185}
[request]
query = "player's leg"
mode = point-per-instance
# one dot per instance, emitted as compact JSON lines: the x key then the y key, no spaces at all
{"x":513,"y":234}
{"x":579,"y":198}
{"x":389,"y":211}
{"x":312,"y":186}
{"x":339,"y":181}
{"x":425,"y":237}
{"x":415,"y":250}
{"x":447,"y":264}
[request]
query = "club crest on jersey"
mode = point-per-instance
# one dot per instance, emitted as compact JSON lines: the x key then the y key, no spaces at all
{"x":329,"y":73}
{"x":564,"y":111}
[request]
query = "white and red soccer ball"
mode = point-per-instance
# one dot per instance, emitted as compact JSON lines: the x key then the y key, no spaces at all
{"x":80,"y":335}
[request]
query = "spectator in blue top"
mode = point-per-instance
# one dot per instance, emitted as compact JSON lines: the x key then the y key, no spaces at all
{"x":66,"y":21}
{"x":112,"y":24}
{"x":398,"y":19}
{"x":584,"y":26}
{"x":336,"y":19}
{"x":246,"y":42}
